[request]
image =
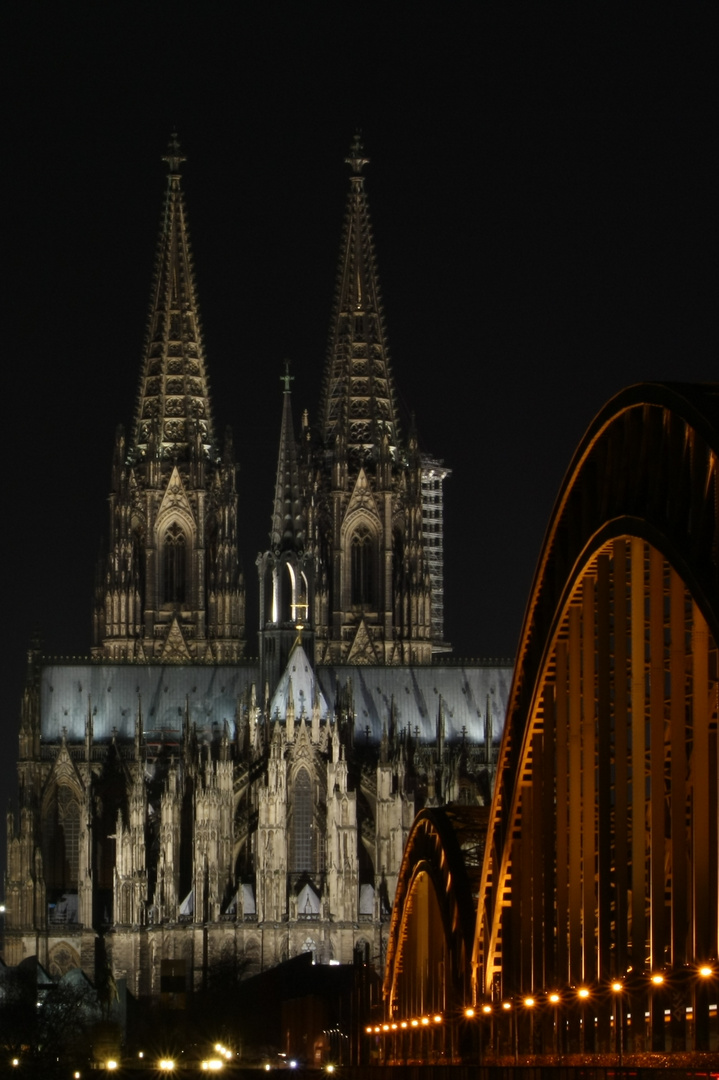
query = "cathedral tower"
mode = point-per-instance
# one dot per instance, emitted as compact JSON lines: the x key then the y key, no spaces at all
{"x":373,"y":589}
{"x":286,"y":569}
{"x":171,"y":587}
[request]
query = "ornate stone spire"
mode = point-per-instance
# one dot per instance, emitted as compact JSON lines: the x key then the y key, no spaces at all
{"x":171,"y":588}
{"x":287,"y":519}
{"x":173,"y":420}
{"x":358,"y":400}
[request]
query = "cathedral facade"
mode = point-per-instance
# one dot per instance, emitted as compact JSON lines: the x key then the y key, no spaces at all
{"x":182,"y":805}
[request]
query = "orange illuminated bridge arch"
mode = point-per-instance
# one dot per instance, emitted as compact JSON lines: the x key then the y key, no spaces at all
{"x":602,"y":851}
{"x":431,"y":932}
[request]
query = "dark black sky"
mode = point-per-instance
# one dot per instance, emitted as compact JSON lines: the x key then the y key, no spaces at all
{"x":543,"y":189}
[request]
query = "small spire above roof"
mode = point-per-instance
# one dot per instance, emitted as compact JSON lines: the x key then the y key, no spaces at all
{"x":287,"y":518}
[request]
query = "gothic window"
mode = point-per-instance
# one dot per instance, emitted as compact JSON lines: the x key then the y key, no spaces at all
{"x":174,"y":565}
{"x":362,"y":560}
{"x":302,"y":824}
{"x":125,"y":905}
{"x":61,"y":841}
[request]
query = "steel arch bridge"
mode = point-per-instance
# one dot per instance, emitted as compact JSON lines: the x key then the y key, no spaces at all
{"x":427,"y":974}
{"x":602,"y":852}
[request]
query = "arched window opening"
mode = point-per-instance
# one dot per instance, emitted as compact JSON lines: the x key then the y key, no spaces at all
{"x":61,"y":842}
{"x":302,"y":860}
{"x":174,"y":565}
{"x":287,"y":594}
{"x":362,"y":575}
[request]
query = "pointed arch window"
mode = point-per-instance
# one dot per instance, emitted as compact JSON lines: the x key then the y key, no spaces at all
{"x":61,"y":841}
{"x":302,"y":819}
{"x":174,"y":551}
{"x":362,"y":567}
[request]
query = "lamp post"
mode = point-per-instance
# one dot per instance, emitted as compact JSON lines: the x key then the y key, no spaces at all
{"x":705,"y":973}
{"x":507,"y":1009}
{"x":617,"y":988}
{"x":583,"y":995}
{"x":529,"y":1003}
{"x":554,"y":1000}
{"x":657,"y":1012}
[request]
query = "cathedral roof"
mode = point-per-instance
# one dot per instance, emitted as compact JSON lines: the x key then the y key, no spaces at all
{"x":358,"y":399}
{"x":164,"y":695}
{"x":412,"y":696}
{"x":173,"y":418}
{"x":287,"y":518}
{"x":473,"y":698}
{"x":297,"y":684}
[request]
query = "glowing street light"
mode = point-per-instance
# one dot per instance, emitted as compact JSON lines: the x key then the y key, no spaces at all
{"x":657,"y":978}
{"x":469,"y":1012}
{"x":554,"y":999}
{"x":617,"y":987}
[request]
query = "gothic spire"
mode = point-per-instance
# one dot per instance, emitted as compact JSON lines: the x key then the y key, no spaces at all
{"x":287,"y":528}
{"x":358,"y":400}
{"x":173,"y":419}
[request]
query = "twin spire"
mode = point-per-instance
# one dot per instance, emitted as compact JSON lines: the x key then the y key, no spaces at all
{"x":173,"y":420}
{"x":358,"y":397}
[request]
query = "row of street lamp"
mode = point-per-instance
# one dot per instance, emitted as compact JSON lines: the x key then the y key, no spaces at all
{"x":631,"y":983}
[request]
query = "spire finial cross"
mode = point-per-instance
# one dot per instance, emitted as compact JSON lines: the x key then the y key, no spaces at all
{"x":356,"y":159}
{"x":287,"y":379}
{"x":174,"y":156}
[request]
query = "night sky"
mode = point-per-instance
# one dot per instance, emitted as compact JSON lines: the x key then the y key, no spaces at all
{"x":542,"y":188}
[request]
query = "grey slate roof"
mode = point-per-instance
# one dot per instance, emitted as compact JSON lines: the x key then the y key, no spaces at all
{"x":114,"y":693}
{"x":465,"y":691}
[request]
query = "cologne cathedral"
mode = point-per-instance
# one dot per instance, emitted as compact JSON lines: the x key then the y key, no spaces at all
{"x":182,"y":804}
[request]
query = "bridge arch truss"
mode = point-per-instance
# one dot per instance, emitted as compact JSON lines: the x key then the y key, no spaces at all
{"x":602,"y":857}
{"x":427,"y":973}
